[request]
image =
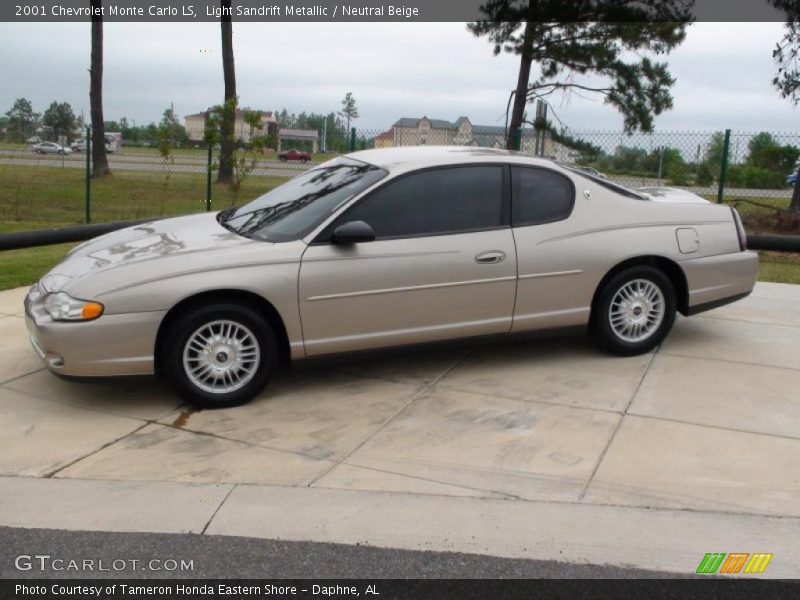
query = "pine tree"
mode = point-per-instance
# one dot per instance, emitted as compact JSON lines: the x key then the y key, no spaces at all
{"x":605,"y":39}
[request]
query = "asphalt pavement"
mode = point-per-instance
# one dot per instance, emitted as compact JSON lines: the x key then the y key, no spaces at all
{"x":249,"y":558}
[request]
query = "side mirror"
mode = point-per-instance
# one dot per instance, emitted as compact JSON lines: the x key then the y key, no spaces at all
{"x":353,"y":232}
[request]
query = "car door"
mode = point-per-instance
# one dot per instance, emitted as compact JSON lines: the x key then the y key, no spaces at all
{"x":442,"y":265}
{"x":556,"y":281}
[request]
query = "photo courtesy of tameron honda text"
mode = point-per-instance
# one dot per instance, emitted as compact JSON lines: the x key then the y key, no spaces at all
{"x":185,"y":589}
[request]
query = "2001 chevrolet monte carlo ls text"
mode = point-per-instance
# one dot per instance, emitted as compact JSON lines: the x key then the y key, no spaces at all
{"x":382,"y":248}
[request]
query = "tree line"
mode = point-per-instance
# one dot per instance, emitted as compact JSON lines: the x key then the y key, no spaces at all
{"x":22,"y":122}
{"x":764,"y":163}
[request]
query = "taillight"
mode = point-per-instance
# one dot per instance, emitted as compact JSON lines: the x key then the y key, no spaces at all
{"x":739,"y":229}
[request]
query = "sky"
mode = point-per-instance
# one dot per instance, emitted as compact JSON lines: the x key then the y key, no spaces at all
{"x":723,"y":73}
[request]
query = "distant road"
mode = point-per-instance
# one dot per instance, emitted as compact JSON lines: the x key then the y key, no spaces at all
{"x":147,"y":163}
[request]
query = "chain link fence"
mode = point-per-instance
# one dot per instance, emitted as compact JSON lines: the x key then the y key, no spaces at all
{"x":46,"y":184}
{"x":760,"y":165}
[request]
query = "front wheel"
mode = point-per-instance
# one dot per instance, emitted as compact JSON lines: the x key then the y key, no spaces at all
{"x":220,"y":355}
{"x":634,"y":311}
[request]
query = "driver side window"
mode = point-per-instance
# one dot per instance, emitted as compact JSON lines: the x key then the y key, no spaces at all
{"x":434,"y":202}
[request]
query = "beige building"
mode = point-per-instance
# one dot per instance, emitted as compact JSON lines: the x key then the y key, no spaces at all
{"x":424,"y":131}
{"x":385,"y":139}
{"x":195,"y":125}
{"x":438,"y":132}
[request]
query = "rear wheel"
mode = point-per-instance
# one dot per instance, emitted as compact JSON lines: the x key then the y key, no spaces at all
{"x":634,"y":311}
{"x":220,"y":355}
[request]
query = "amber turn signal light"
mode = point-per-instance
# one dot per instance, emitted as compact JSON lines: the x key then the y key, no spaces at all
{"x":91,"y":310}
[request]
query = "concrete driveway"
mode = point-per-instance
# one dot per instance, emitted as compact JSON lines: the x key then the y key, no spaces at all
{"x":694,"y":441}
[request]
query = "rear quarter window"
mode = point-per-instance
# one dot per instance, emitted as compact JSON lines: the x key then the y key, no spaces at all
{"x":540,"y":196}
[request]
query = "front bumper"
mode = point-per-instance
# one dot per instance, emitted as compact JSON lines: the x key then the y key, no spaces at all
{"x":110,"y":345}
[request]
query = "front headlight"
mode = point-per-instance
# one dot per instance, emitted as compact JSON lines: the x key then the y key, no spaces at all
{"x":35,"y":294}
{"x":63,"y":307}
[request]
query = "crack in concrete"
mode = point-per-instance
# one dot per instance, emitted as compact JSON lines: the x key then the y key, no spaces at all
{"x":602,"y":456}
{"x":731,"y":361}
{"x":55,"y":472}
{"x":214,"y":514}
{"x":17,"y":377}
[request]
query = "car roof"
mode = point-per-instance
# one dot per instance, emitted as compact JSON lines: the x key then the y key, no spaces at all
{"x":406,"y":158}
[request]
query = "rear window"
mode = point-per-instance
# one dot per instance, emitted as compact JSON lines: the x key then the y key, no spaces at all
{"x":610,"y":185}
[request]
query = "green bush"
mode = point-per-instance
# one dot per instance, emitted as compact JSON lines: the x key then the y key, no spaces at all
{"x":677,"y":173}
{"x":749,"y":176}
{"x":705,"y":175}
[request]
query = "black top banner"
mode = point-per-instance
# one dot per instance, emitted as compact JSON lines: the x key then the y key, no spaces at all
{"x":370,"y":10}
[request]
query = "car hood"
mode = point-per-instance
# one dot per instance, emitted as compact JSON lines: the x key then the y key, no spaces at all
{"x":156,"y":249}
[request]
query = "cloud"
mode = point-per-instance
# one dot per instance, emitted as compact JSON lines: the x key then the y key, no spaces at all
{"x":723,"y":72}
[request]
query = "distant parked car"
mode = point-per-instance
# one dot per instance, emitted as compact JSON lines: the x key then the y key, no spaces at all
{"x":51,"y":148}
{"x":80,"y":146}
{"x":294,"y":155}
{"x":791,"y":178}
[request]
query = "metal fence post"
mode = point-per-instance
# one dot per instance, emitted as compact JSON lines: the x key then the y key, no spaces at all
{"x":353,"y":139}
{"x":208,"y":178}
{"x":723,"y":169}
{"x":88,"y":184}
{"x":518,"y":139}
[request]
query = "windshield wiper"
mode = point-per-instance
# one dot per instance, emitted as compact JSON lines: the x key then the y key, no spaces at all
{"x":224,"y":216}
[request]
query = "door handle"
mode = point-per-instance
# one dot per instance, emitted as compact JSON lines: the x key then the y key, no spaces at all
{"x":491,"y":257}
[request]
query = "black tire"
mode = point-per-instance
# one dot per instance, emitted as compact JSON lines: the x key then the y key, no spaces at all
{"x":601,"y":327}
{"x":178,"y":335}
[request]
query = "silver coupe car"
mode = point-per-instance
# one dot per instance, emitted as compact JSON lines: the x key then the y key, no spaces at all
{"x":382,"y":248}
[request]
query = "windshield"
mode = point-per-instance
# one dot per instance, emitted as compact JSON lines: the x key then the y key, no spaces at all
{"x":293,"y":209}
{"x":606,"y":183}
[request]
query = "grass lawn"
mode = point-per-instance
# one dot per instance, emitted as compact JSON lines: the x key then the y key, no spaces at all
{"x":780,"y":267}
{"x":56,"y":195}
{"x":24,"y":267}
